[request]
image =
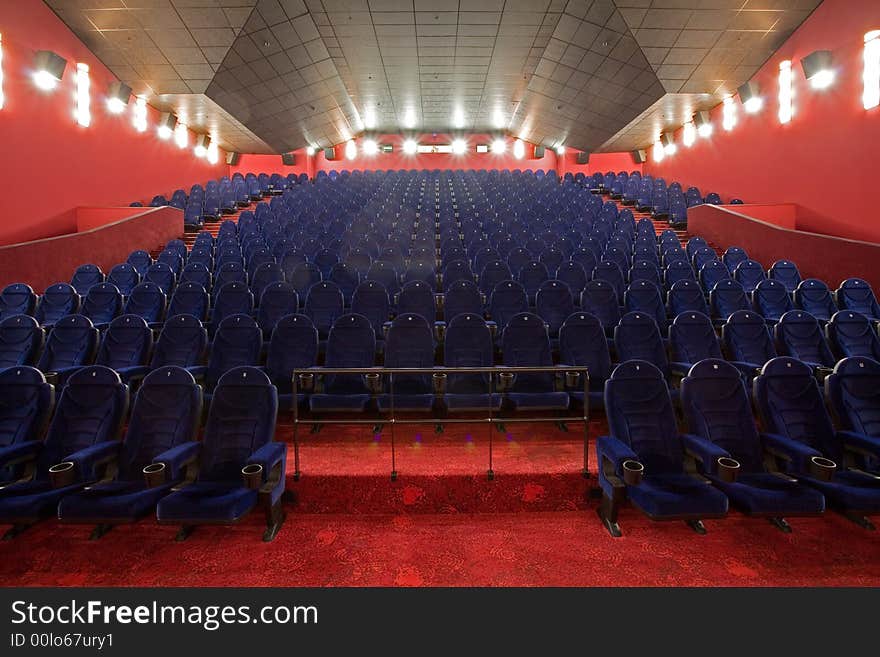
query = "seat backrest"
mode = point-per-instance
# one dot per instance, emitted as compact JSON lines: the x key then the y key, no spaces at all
{"x":26,"y":402}
{"x":166,"y":412}
{"x":712,"y":273}
{"x":294,"y":345}
{"x":853,"y":390}
{"x":189,"y":298}
{"x":233,"y":299}
{"x":851,"y":334}
{"x":509,"y":298}
{"x":798,"y":335}
{"x":370,"y":299}
{"x":786,"y":273}
{"x":640,"y":415}
{"x":17,"y":299}
{"x":727,"y":297}
{"x":733,"y":256}
{"x":146,"y":300}
{"x":85,"y":277}
{"x":125,"y":277}
{"x":749,"y":273}
{"x":417,"y":297}
{"x":855,"y":294}
{"x":610,"y":272}
{"x":303,"y":277}
{"x":637,"y":337}
{"x":771,"y":299}
{"x":643,"y":296}
{"x":140,"y":260}
{"x":717,"y":407}
{"x":573,"y":275}
{"x":790,"y":403}
{"x":600,"y":300}
{"x":71,"y":343}
{"x":463,"y":296}
{"x":241,"y":419}
{"x":554,"y":304}
{"x":21,"y":339}
{"x":162,"y":275}
{"x":524,"y":342}
{"x":582,"y":342}
{"x":102,"y":303}
{"x":814,"y":297}
{"x":181,"y":343}
{"x":126,"y":343}
{"x":279,"y":299}
{"x":351,"y":343}
{"x":59,"y":300}
{"x":410,"y":343}
{"x":237,"y":343}
{"x":686,"y":295}
{"x":264,"y":275}
{"x":91,"y":409}
{"x":324,"y":304}
{"x":468,"y":344}
{"x":692,"y":338}
{"x":747,"y":339}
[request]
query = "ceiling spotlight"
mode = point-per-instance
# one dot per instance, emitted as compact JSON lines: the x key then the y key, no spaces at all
{"x":310,"y":150}
{"x":657,"y":152}
{"x":560,"y":150}
{"x":498,"y":119}
{"x":750,"y":97}
{"x":688,"y":134}
{"x":817,"y":69}
{"x":728,"y":114}
{"x":459,"y":146}
{"x":351,"y":150}
{"x":140,"y":114}
{"x":409,"y":118}
{"x":118,"y":94}
{"x":499,"y":146}
{"x":369,"y":118}
{"x":202,"y":143}
{"x":370,"y":147}
{"x":668,"y":144}
{"x":213,"y":152}
{"x":410,"y":146}
{"x":167,"y":123}
{"x":519,"y":149}
{"x":181,"y":135}
{"x":703,"y":123}
{"x":48,"y":69}
{"x":458,"y":118}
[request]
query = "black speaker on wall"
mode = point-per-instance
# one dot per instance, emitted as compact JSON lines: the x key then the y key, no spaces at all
{"x":640,"y":157}
{"x":539,"y":152}
{"x":582,"y":158}
{"x":232,"y":158}
{"x":330,"y":153}
{"x":288,"y":159}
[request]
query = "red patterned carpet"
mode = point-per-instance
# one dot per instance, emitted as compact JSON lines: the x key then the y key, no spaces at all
{"x":442,"y":523}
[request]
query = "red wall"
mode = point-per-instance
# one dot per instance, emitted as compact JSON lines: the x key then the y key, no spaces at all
{"x":257,"y":163}
{"x":828,"y":258}
{"x":824,"y":159}
{"x":599,"y":162}
{"x":51,"y":164}
{"x":43,"y":262}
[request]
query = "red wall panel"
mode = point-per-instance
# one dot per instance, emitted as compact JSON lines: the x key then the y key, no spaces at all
{"x":50,"y":164}
{"x":824,"y":159}
{"x":43,"y":262}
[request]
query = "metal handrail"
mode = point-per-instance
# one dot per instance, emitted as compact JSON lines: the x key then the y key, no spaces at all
{"x":391,"y":418}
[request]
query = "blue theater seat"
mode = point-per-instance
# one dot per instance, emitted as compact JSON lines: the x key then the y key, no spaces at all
{"x":370,"y":299}
{"x":855,"y":294}
{"x":26,"y":404}
{"x":554,"y":304}
{"x":190,"y":298}
{"x":525,"y":343}
{"x":798,"y":335}
{"x":21,"y":340}
{"x":166,"y":414}
{"x":71,"y":344}
{"x":643,"y":458}
{"x":183,"y":342}
{"x":125,"y":277}
{"x":279,"y":300}
{"x":147,"y":300}
{"x":853,"y":392}
{"x":851,"y":334}
{"x":17,"y":299}
{"x":59,"y":300}
{"x":800,"y":432}
{"x":717,"y":409}
{"x":85,"y":277}
{"x":685,"y":296}
{"x":233,"y":299}
{"x":771,"y":300}
{"x":582,"y":343}
{"x":238,"y":434}
{"x":238,"y":342}
{"x":644,"y":297}
{"x":691,"y":339}
{"x":351,"y":343}
{"x":293,"y":346}
{"x":161,"y":274}
{"x":102,"y":304}
{"x":747,"y":342}
{"x":84,"y":431}
{"x":509,"y":298}
{"x":125,"y":347}
{"x":469,"y":344}
{"x":409,"y":343}
{"x":814,"y":297}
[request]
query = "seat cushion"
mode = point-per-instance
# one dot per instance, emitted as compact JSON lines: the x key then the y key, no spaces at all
{"x":31,"y":500}
{"x":207,"y":502}
{"x":677,"y":496}
{"x":850,"y":491}
{"x":762,"y":493}
{"x":338,"y":403}
{"x":118,"y":501}
{"x":539,"y":401}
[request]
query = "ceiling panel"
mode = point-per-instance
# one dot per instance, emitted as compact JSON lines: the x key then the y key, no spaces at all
{"x":274,"y":75}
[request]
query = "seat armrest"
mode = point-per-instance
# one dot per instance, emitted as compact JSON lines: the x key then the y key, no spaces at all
{"x":20,"y":453}
{"x":613,"y":454}
{"x":88,"y":460}
{"x":272,"y":457}
{"x":178,"y":458}
{"x":794,"y":452}
{"x":704,"y":451}
{"x":860,"y":443}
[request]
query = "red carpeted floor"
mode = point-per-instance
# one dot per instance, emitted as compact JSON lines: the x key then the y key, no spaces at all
{"x":442,"y":523}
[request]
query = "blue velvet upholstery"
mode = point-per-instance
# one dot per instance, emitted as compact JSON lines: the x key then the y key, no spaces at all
{"x":148,"y":301}
{"x":85,"y":277}
{"x":509,"y":298}
{"x":853,"y":390}
{"x":125,"y":347}
{"x":324,"y":305}
{"x":26,"y":403}
{"x":190,"y":298}
{"x":102,"y":304}
{"x":161,"y":274}
{"x":798,"y":335}
{"x":786,"y":273}
{"x":582,"y":342}
{"x":351,"y":343}
{"x":166,"y":413}
{"x":264,"y":275}
{"x":644,"y":297}
{"x":71,"y":344}
{"x":717,"y":409}
{"x":791,"y":405}
{"x":462,"y":296}
{"x":554,"y":304}
{"x":691,"y":339}
{"x":771,"y":300}
{"x":294,"y":345}
{"x":855,"y":294}
{"x":90,"y":411}
{"x":125,"y":277}
{"x":469,"y":344}
{"x":637,"y":337}
{"x":599,"y":299}
{"x":21,"y":340}
{"x":59,"y":300}
{"x":17,"y":299}
{"x":749,"y":273}
{"x":610,"y":273}
{"x":279,"y":300}
{"x":241,"y":421}
{"x":233,"y":299}
{"x":814,"y":297}
{"x":525,"y":343}
{"x":183,"y":342}
{"x":642,"y":426}
{"x":851,"y":334}
{"x":370,"y":299}
{"x":410,"y":344}
{"x":238,"y":343}
{"x":574,"y":276}
{"x":417,"y":297}
{"x":727,"y":297}
{"x":747,"y":340}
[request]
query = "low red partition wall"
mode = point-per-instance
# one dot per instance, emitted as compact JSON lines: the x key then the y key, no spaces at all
{"x":110,"y":235}
{"x":831,"y":259}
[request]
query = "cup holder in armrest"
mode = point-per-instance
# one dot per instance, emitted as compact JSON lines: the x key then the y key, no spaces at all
{"x":52,"y":378}
{"x":438,"y":382}
{"x":505,"y":381}
{"x":154,"y":475}
{"x":374,"y":382}
{"x":632,"y":472}
{"x":306,"y":382}
{"x":571,"y":379}
{"x":252,"y":476}
{"x":728,"y":469}
{"x":822,"y":468}
{"x":62,"y":474}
